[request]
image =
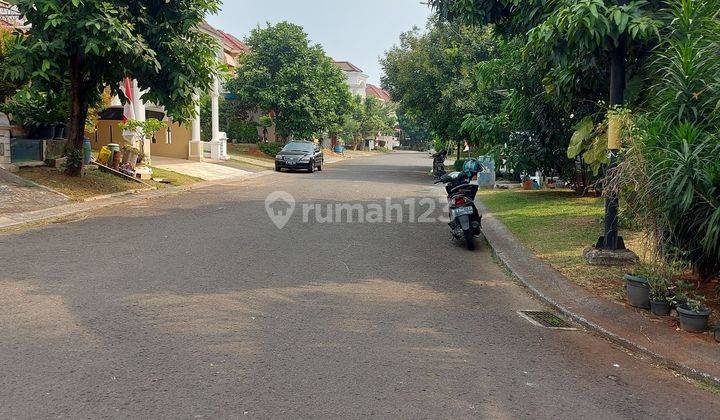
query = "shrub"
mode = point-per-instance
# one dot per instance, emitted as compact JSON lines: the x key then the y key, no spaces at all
{"x":243,"y":131}
{"x":270,"y":149}
{"x":671,"y":172}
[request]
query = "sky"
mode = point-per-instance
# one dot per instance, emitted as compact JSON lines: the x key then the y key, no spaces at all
{"x":359,"y":31}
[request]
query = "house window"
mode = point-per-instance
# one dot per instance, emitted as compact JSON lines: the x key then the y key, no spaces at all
{"x":169,"y":135}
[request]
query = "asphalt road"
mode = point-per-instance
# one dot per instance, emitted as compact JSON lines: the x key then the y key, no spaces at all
{"x":197,"y":306}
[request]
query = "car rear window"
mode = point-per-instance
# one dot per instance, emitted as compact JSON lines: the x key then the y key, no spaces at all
{"x":299,"y":147}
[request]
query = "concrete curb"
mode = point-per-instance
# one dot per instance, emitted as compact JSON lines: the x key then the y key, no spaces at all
{"x":692,"y":357}
{"x":19,"y":220}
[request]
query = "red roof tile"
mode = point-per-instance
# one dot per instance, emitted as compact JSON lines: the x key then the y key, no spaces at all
{"x":347,"y":66}
{"x":376,"y":92}
{"x":233,"y":43}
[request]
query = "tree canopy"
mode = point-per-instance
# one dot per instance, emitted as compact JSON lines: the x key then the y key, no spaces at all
{"x":294,"y":80}
{"x":431,"y":75}
{"x":89,"y":45}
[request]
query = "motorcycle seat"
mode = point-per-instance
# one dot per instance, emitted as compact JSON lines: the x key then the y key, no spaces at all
{"x":452,"y":177}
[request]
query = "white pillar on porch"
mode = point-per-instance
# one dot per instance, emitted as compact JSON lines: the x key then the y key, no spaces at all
{"x":215,"y":98}
{"x":139,"y":108}
{"x":196,"y":151}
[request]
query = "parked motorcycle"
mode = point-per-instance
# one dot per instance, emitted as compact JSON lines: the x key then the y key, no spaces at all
{"x":465,"y":219}
{"x":439,"y":164}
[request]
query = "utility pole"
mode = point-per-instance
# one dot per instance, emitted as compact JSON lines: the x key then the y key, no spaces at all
{"x":611,"y":240}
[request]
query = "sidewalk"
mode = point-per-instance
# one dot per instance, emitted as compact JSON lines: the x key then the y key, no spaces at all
{"x":18,"y":195}
{"x":206,"y":170}
{"x":68,"y":208}
{"x":693,"y":355}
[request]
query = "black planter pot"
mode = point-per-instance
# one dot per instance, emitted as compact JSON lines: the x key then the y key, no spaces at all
{"x":638,"y":291}
{"x":660,"y":308}
{"x":692,"y":321}
{"x":44,"y":132}
{"x":60,"y":132}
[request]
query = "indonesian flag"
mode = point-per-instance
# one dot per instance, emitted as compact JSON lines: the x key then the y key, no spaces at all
{"x":129,"y":109}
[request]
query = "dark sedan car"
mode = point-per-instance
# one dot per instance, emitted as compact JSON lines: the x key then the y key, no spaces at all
{"x":300,"y":155}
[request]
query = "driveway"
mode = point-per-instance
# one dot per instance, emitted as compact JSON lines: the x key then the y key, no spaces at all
{"x":198,"y":306}
{"x":18,"y":195}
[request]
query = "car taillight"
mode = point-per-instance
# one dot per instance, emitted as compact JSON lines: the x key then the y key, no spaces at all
{"x":460,"y":201}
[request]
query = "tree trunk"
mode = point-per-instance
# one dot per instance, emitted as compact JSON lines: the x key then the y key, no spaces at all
{"x":79,"y":105}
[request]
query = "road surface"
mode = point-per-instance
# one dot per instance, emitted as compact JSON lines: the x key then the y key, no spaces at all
{"x":198,"y":306}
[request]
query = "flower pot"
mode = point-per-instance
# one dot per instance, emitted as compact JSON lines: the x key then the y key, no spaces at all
{"x":527,"y":185}
{"x":638,"y":291}
{"x":44,"y":132}
{"x":18,"y":132}
{"x":693,"y":321}
{"x":660,"y":308}
{"x":60,"y":132}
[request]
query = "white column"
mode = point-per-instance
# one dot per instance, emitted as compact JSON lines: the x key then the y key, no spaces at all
{"x":215,"y":97}
{"x":196,"y":146}
{"x":139,"y":107}
{"x":138,"y":103}
{"x":196,"y":131}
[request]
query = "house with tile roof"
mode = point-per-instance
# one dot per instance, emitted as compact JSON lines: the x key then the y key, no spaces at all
{"x":356,"y":79}
{"x":180,"y":141}
{"x":378,"y":93}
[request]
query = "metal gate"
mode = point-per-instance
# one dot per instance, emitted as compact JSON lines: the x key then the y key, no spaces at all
{"x":22,"y":150}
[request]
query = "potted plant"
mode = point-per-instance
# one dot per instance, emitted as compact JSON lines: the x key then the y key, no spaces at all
{"x":637,"y":288}
{"x":692,"y":312}
{"x":661,"y":299}
{"x":527,"y":183}
{"x":130,"y":156}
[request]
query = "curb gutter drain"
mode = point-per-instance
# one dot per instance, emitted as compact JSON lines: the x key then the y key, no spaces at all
{"x":547,"y":320}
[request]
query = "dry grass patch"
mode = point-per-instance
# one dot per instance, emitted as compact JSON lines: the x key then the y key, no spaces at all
{"x":93,"y":184}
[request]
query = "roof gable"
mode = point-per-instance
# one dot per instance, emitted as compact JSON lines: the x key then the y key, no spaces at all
{"x":347,"y":66}
{"x":376,"y":92}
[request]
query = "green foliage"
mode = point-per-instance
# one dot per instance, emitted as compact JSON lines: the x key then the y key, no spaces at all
{"x":146,"y":129}
{"x":672,"y":170}
{"x":659,"y":280}
{"x":32,"y":107}
{"x":88,"y":45}
{"x":297,"y":81}
{"x":414,"y":134}
{"x":432,"y":78}
{"x":243,"y":131}
{"x":270,"y":149}
{"x":365,"y":120}
{"x":8,"y":87}
{"x":75,"y":158}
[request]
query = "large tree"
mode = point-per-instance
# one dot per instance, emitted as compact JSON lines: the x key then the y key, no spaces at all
{"x":365,"y":119}
{"x":431,"y":75}
{"x":294,"y":80}
{"x":93,"y":44}
{"x":575,"y":35}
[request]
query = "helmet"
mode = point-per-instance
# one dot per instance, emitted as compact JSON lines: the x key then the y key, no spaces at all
{"x":472,"y":167}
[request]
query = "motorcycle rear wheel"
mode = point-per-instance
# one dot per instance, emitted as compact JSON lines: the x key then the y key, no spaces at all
{"x":469,"y":239}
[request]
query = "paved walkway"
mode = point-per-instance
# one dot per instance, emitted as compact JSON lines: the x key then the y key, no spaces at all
{"x":206,"y":170}
{"x":17,"y":195}
{"x":695,"y":355}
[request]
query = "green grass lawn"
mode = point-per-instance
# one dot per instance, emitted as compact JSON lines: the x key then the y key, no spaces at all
{"x":175,"y":179}
{"x":557,"y":226}
{"x":93,"y":184}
